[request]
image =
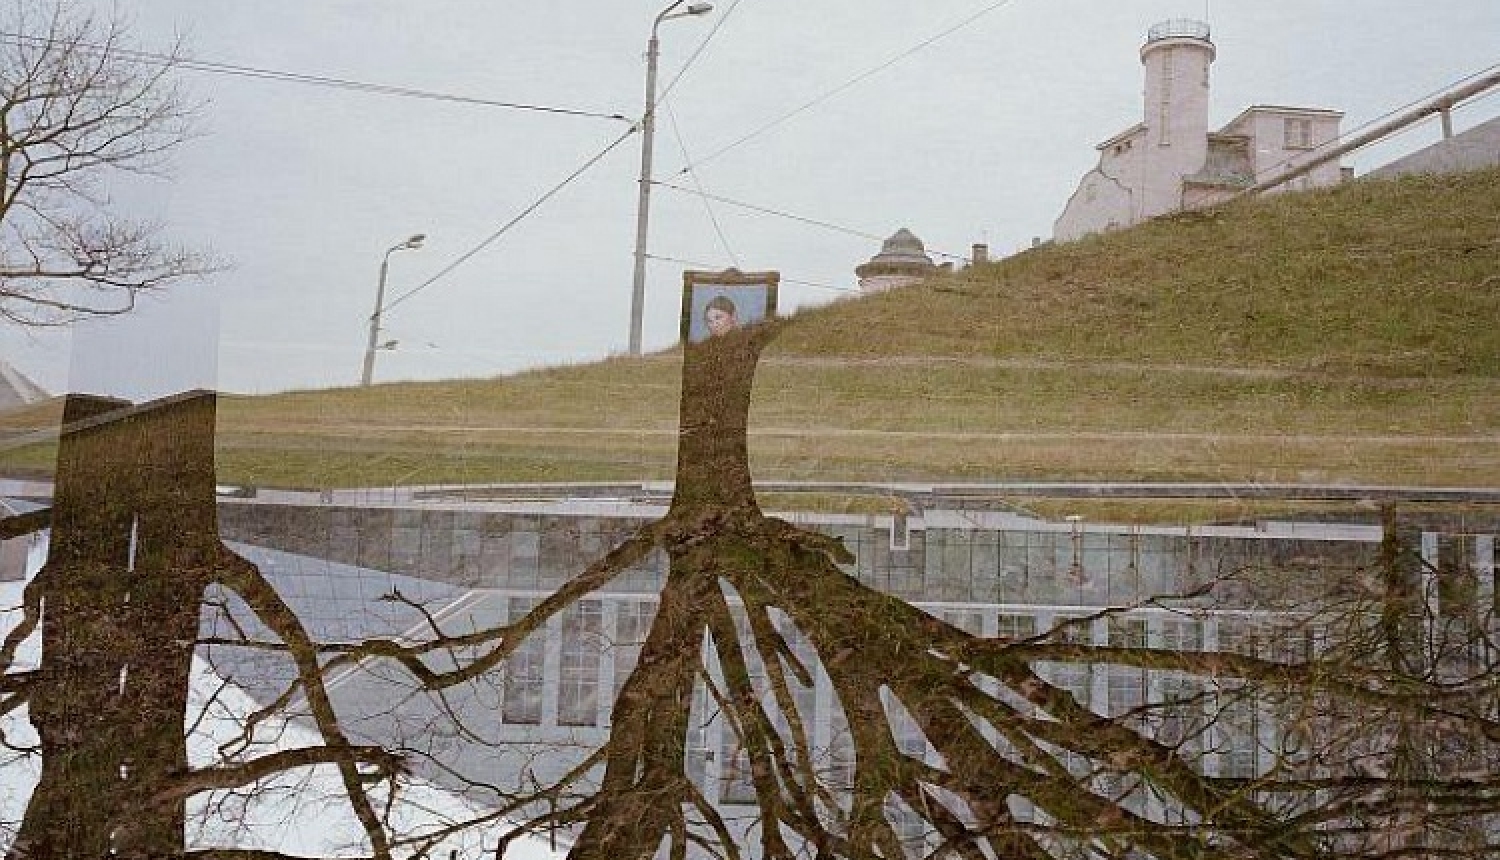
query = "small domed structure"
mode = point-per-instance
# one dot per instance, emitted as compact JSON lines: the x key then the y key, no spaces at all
{"x":902,"y":260}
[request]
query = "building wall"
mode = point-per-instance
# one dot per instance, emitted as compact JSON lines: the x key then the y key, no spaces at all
{"x":881,"y":283}
{"x":1475,"y":149}
{"x":1106,"y":198}
{"x":969,"y":557}
{"x":1198,"y":196}
{"x":1275,"y":147}
{"x":1100,"y":204}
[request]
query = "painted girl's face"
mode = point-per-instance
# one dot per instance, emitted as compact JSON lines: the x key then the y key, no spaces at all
{"x":719,"y":321}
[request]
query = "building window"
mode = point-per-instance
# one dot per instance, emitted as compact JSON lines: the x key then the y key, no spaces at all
{"x":1012,"y":626}
{"x":840,"y":772}
{"x":1181,"y":722}
{"x":910,"y":827}
{"x":1071,"y":630}
{"x":1127,"y":690}
{"x":1164,"y":121}
{"x":1072,"y":678}
{"x":578,"y":690}
{"x":522,"y":693}
{"x":1298,"y":132}
{"x":1127,"y":632}
{"x":632,"y":622}
{"x":1239,"y":636}
{"x":737,"y":786}
{"x":1293,"y":645}
{"x":1181,"y":635}
{"x":699,"y":751}
{"x":1239,"y":721}
{"x":968,"y":620}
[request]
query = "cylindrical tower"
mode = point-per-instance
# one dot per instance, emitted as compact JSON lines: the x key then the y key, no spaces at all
{"x":1176,"y":55}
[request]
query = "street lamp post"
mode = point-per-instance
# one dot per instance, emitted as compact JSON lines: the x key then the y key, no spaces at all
{"x":648,"y":136}
{"x":411,"y":244}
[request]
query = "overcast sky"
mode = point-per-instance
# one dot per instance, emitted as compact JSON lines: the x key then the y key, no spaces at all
{"x":981,"y":136}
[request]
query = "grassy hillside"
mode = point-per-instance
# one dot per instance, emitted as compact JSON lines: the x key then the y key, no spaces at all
{"x":1373,"y":278}
{"x":1340,"y":335}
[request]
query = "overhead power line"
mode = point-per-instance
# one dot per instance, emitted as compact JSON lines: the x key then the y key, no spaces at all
{"x":212,"y":67}
{"x":709,"y":266}
{"x":506,"y":227}
{"x":777,"y":213}
{"x":698,"y":51}
{"x":852,"y":82}
{"x":708,"y":207}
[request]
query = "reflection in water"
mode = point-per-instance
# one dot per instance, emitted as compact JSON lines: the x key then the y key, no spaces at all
{"x":711,"y":680}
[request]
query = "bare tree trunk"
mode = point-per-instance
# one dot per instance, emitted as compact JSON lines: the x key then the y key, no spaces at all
{"x":713,"y":462}
{"x":645,"y":787}
{"x":134,"y":539}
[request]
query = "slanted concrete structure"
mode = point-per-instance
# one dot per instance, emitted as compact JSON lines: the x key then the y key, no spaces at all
{"x":1171,"y":160}
{"x":16,"y":389}
{"x":902,"y":260}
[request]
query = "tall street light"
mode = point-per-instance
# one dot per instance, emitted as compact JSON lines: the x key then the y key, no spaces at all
{"x":411,"y":244}
{"x":648,"y":135}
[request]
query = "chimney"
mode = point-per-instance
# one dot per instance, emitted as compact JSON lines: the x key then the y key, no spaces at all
{"x":979,"y":254}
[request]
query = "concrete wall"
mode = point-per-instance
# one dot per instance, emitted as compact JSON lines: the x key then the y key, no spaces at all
{"x":941,"y":556}
{"x":1477,"y":148}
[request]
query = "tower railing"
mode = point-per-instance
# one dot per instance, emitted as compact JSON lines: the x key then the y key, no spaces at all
{"x":1178,"y":28}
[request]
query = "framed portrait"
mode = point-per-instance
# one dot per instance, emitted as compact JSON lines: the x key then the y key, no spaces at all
{"x":714,"y":303}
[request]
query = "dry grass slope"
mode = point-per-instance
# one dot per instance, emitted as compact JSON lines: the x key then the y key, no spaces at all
{"x":1346,"y":335}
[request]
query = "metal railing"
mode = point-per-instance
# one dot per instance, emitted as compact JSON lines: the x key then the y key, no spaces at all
{"x":1178,"y":28}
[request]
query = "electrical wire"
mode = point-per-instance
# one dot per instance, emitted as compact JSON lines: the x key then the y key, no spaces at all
{"x":506,"y":227}
{"x":212,"y":67}
{"x":698,"y":264}
{"x":708,"y":208}
{"x":1478,"y":100}
{"x":693,"y":57}
{"x":849,"y":84}
{"x":764,"y":210}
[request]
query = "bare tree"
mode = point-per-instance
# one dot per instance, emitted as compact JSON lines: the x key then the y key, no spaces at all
{"x":1369,"y":717}
{"x":80,"y":109}
{"x":1376,"y":740}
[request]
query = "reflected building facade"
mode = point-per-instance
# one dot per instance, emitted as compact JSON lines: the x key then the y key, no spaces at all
{"x":472,"y":564}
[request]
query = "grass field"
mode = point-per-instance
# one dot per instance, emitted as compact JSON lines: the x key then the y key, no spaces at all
{"x":1346,"y":335}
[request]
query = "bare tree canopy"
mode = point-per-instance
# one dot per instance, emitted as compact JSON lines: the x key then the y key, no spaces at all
{"x":78,"y":108}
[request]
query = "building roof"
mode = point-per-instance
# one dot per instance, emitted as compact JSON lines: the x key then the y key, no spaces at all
{"x":902,"y":253}
{"x":1134,"y":130}
{"x":1286,"y":110}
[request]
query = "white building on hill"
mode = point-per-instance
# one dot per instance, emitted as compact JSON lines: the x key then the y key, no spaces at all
{"x":1171,"y":160}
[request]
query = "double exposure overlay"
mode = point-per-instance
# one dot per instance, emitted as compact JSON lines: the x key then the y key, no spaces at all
{"x":1169,"y":537}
